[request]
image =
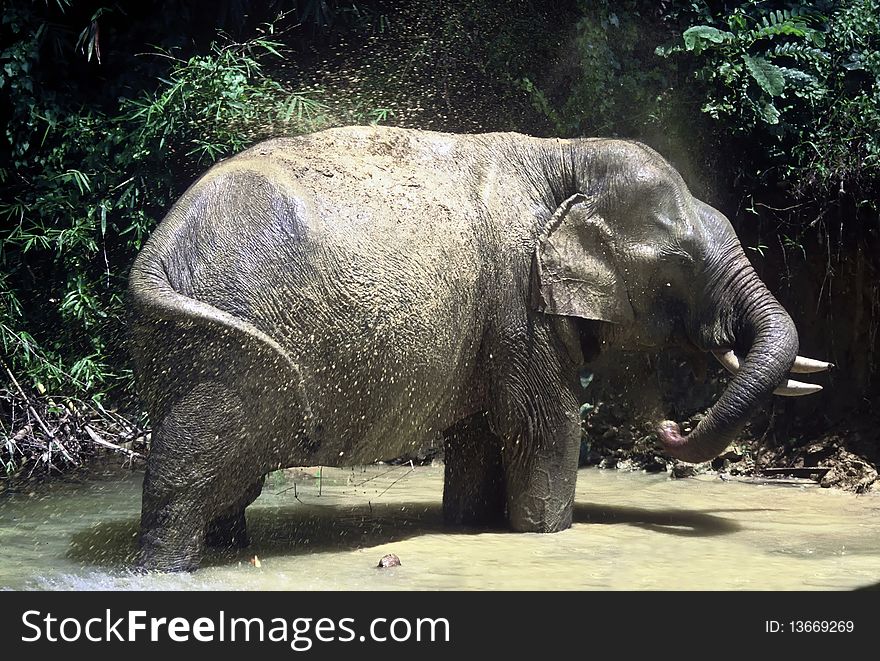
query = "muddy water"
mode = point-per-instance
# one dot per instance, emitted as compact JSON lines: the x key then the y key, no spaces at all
{"x":631,"y":531}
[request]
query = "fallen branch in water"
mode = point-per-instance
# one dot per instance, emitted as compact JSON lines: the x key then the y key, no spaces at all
{"x":46,"y":430}
{"x":107,"y":444}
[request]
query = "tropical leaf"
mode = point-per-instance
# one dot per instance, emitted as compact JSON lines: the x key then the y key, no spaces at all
{"x":786,"y":29}
{"x":769,"y":76}
{"x":769,"y":113}
{"x":800,"y":52}
{"x":696,"y":36}
{"x":799,"y":77}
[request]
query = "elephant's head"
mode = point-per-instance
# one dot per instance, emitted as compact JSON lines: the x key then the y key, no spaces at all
{"x":637,"y":250}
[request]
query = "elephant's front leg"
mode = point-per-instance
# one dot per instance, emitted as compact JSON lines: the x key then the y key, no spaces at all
{"x":537,"y":417}
{"x":540,"y":466}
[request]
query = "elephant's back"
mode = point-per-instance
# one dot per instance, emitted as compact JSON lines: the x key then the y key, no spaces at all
{"x":368,"y":270}
{"x":346,"y":221}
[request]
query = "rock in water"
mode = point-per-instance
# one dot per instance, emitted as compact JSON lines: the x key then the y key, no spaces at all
{"x":389,"y":560}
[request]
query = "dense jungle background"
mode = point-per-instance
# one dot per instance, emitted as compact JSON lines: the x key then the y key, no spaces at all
{"x":770,"y":110}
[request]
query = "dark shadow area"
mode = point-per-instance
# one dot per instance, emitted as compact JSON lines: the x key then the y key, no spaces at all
{"x":871,"y":587}
{"x":289,"y":530}
{"x":303,"y":529}
{"x":672,"y":522}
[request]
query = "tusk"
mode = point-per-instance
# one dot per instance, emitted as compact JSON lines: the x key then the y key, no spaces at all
{"x":793,"y":388}
{"x":808,"y":366}
{"x":728,"y":359}
{"x":790,"y":388}
{"x":801,"y":365}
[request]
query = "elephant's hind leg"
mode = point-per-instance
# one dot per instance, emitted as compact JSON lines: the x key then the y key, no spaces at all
{"x":229,"y":530}
{"x":172,"y":534}
{"x":194,"y":474}
{"x":473,"y":487}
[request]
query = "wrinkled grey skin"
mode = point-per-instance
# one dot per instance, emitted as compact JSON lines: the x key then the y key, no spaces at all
{"x":341,"y":297}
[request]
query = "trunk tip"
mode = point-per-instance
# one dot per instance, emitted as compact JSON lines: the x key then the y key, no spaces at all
{"x":669,"y":434}
{"x":677,"y":446}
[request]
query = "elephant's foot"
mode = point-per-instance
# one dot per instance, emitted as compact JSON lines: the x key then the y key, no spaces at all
{"x":529,"y":513}
{"x":229,"y":531}
{"x":473,"y":487}
{"x":150,"y":560}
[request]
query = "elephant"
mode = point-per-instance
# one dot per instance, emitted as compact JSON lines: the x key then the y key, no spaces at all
{"x":339,"y":297}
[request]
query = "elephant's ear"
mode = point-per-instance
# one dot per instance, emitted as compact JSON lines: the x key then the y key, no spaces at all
{"x":576,"y":266}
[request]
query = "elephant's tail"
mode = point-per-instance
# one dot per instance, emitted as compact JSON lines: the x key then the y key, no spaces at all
{"x":178,"y":341}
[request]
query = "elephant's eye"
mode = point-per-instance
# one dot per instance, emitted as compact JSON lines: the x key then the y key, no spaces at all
{"x":681,"y":258}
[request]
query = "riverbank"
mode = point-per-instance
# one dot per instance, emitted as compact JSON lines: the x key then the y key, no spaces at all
{"x":45,"y":437}
{"x":845,"y":459}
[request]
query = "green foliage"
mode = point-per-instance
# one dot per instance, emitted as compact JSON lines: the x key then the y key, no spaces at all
{"x":764,"y":66}
{"x":800,"y":83}
{"x":606,"y":89}
{"x":213,"y":105}
{"x":842,"y":152}
{"x":84,"y":186}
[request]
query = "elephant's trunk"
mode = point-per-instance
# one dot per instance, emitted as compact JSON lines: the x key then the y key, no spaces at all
{"x":764,"y":326}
